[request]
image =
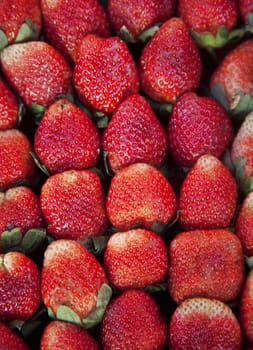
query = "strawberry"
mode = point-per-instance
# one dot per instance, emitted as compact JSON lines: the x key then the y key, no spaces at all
{"x":246,"y":9}
{"x":170,"y":63}
{"x":8,"y":107}
{"x":134,"y":134}
{"x":198,"y":125}
{"x":140,"y":195}
{"x":205,"y":263}
{"x":72,"y":204}
{"x":9,"y":339}
{"x":246,"y":309}
{"x":16,"y":163}
{"x":62,"y":124}
{"x":74,"y":284}
{"x":133,"y":321}
{"x":135,"y":259}
{"x":66,"y":23}
{"x":208,"y":195}
{"x":19,"y":287}
{"x":36,"y":71}
{"x":71,"y":335}
{"x":206,"y":324}
{"x":105,"y":72}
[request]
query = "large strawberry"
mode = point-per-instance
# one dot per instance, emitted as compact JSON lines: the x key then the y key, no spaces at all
{"x":208,"y":195}
{"x":198,"y":125}
{"x":8,"y":107}
{"x":246,"y":310}
{"x":133,"y":321}
{"x":134,"y":134}
{"x":105,"y":72}
{"x":62,"y":124}
{"x":170,"y":62}
{"x":9,"y":339}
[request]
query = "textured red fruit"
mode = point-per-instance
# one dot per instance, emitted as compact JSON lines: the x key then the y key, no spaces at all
{"x":246,"y":309}
{"x":10,"y":340}
{"x":246,"y":8}
{"x":8,"y":107}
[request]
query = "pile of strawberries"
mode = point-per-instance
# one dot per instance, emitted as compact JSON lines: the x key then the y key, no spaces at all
{"x":126,"y":174}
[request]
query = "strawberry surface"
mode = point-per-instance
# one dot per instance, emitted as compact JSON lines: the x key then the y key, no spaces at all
{"x":246,"y":309}
{"x":8,"y":107}
{"x":243,"y":224}
{"x":10,"y":340}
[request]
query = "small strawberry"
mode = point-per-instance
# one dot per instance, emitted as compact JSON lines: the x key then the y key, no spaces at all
{"x":170,"y":63}
{"x":9,"y":339}
{"x":208,"y":195}
{"x":198,"y":125}
{"x":206,"y":324}
{"x":140,"y":195}
{"x":62,"y":124}
{"x":105,"y":72}
{"x":8,"y":107}
{"x":74,"y":284}
{"x":36,"y":71}
{"x":133,"y":321}
{"x":134,"y":134}
{"x":246,"y":310}
{"x":71,"y":335}
{"x":205,"y":263}
{"x":246,"y":10}
{"x":135,"y":259}
{"x":66,"y":23}
{"x":72,"y":204}
{"x":20,"y":287}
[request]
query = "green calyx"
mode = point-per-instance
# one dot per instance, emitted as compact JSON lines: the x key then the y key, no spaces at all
{"x":245,"y":183}
{"x":27,"y":31}
{"x":41,"y":166}
{"x":143,"y":37}
{"x":3,"y":40}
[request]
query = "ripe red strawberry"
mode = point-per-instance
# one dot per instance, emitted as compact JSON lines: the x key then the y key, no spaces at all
{"x":105,"y":72}
{"x":10,"y":340}
{"x":74,"y":284}
{"x":135,"y":259}
{"x":208,"y":195}
{"x":63,"y":124}
{"x":246,"y":310}
{"x":246,"y":9}
{"x":134,"y":134}
{"x":37,"y":72}
{"x":170,"y":62}
{"x":66,"y":23}
{"x":140,"y":195}
{"x":71,"y":335}
{"x":8,"y":107}
{"x":72,"y":203}
{"x":16,"y":163}
{"x":133,"y":321}
{"x":206,"y":324}
{"x":198,"y":125}
{"x":205,"y":263}
{"x":19,"y":287}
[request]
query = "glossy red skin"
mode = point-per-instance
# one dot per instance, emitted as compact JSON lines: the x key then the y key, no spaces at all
{"x":134,"y":134}
{"x":135,"y":259}
{"x":133,"y":321}
{"x":66,"y":23}
{"x":205,"y":263}
{"x":246,"y":7}
{"x":37,"y":72}
{"x":20,"y":287}
{"x":8,"y":107}
{"x":10,"y":340}
{"x":16,"y":163}
{"x":71,"y":276}
{"x":63,"y":124}
{"x":139,"y":195}
{"x":208,"y":195}
{"x":72,"y":203}
{"x":105,"y":72}
{"x":206,"y":324}
{"x":246,"y":310}
{"x":198,"y":125}
{"x":170,"y":63}
{"x":208,"y":16}
{"x":138,"y":15}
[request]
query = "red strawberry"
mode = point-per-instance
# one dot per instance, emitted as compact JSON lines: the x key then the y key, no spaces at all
{"x":140,"y":195}
{"x":63,"y":124}
{"x":37,"y":72}
{"x":198,"y":125}
{"x":74,"y":284}
{"x":170,"y":62}
{"x":19,"y":287}
{"x":246,"y":9}
{"x":133,"y":321}
{"x":10,"y":340}
{"x":66,"y":23}
{"x":206,"y":324}
{"x":134,"y":134}
{"x":246,"y":310}
{"x":205,"y":263}
{"x":73,"y":205}
{"x":8,"y":107}
{"x":105,"y":72}
{"x":72,"y":336}
{"x":208,"y":195}
{"x":16,"y":163}
{"x":135,"y":259}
